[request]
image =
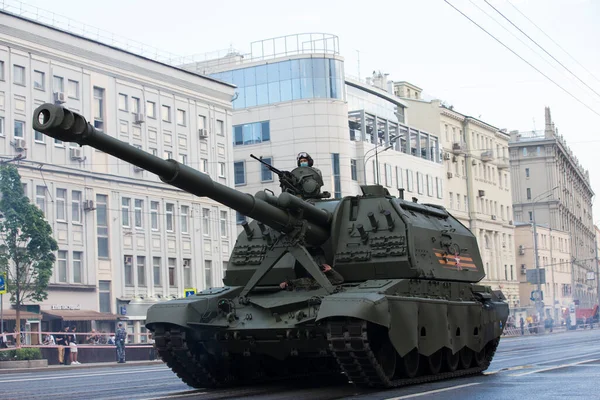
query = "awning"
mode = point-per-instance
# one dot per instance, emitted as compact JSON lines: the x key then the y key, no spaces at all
{"x":79,"y":315}
{"x":11,"y":315}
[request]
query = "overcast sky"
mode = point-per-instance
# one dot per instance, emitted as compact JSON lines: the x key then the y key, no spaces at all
{"x":425,"y":42}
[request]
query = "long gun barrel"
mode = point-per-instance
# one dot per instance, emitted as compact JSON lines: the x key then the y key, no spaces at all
{"x":67,"y":126}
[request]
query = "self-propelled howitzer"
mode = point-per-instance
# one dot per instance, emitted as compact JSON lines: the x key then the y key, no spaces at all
{"x":410,"y":308}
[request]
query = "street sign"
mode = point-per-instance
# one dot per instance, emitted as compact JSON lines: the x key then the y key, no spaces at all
{"x":532,"y":276}
{"x":536,"y":295}
{"x":3,"y":283}
{"x":189,"y":292}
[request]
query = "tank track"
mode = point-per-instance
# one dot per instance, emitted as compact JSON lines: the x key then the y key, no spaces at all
{"x":349,"y":344}
{"x":197,"y":371}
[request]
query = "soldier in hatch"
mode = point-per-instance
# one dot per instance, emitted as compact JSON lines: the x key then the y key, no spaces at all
{"x":305,"y":281}
{"x":305,"y":160}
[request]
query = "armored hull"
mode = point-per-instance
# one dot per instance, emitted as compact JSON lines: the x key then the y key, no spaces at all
{"x":410,"y":308}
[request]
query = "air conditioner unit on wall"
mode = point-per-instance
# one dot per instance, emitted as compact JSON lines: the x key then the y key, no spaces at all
{"x":202,"y":133}
{"x":493,"y":217}
{"x":521,"y":250}
{"x":481,"y":193}
{"x":446,"y":156}
{"x":76,"y":153}
{"x":60,"y":97}
{"x":186,"y":263}
{"x":88,"y":205}
{"x":128,"y":260}
{"x":19,"y":144}
{"x":138,"y":118}
{"x":449,"y":174}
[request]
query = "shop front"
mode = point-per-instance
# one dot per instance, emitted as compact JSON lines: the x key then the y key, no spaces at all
{"x":30,"y":326}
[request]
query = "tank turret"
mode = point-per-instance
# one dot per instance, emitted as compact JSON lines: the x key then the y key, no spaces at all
{"x":404,"y":290}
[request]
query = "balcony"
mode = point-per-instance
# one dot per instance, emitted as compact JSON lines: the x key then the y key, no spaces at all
{"x":487,"y":156}
{"x":502,"y":163}
{"x":459,"y":147}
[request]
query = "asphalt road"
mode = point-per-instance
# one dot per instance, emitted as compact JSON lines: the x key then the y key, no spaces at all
{"x":558,"y":366}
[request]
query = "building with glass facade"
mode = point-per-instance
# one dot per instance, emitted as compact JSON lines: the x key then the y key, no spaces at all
{"x":126,"y":240}
{"x":292,"y":96}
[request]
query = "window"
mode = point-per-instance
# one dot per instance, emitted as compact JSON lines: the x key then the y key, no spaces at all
{"x":169,"y":214}
{"x":221,"y":170}
{"x":61,"y":204}
{"x":187,"y":273}
{"x":223,"y":221}
{"x":39,"y":80}
{"x":246,"y":134}
{"x":530,"y":216}
{"x":167,"y":155}
{"x":76,"y":206}
{"x":353,"y":170}
{"x":19,"y":129}
{"x":104,"y":296}
{"x":141,"y":271}
{"x":1,"y":70}
{"x":430,"y":185}
{"x":151,"y":109}
{"x":266,"y":174}
{"x":19,"y":75}
{"x":451,"y":199}
{"x":40,"y":198}
{"x":137,"y":213}
{"x":77,"y":268}
{"x":337,"y":182}
{"x":135,"y":105}
{"x":98,"y":108}
{"x":527,"y":172}
{"x":183,"y":159}
{"x":102,"y":225}
{"x":1,"y":126}
{"x":154,"y":215}
{"x":181,"y":117}
{"x":207,"y":273}
{"x":156,"y":267}
{"x":524,"y":151}
{"x":201,"y":122}
{"x":388,"y":175}
{"x":239,"y":173}
{"x":185,"y":219}
{"x":420,"y":182}
{"x":58,"y":84}
{"x":122,"y":102}
{"x":172,"y":265}
{"x":204,"y":165}
{"x":220,"y":127}
{"x":62,"y":266}
{"x":206,"y":221}
{"x":128,"y":270}
{"x":125,"y":211}
{"x":165,"y":113}
{"x":73,"y":89}
{"x":399,"y":178}
{"x":409,"y":180}
{"x":528,"y":193}
{"x":38,"y":136}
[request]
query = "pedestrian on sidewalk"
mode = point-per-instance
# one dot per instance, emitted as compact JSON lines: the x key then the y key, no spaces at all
{"x":73,"y":345}
{"x":120,"y":336}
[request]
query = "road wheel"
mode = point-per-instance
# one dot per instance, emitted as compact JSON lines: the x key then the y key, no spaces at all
{"x":451,"y":360}
{"x":409,"y":364}
{"x":466,"y":358}
{"x":434,"y":362}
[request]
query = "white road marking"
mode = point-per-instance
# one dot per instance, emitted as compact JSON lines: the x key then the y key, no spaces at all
{"x":410,"y":396}
{"x":177,"y":395}
{"x":595,"y":353}
{"x":556,"y":367}
{"x":45,"y":378}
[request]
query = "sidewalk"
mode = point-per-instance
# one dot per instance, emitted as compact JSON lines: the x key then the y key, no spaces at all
{"x":54,"y":368}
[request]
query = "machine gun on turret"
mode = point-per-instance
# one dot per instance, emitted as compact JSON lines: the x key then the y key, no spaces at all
{"x":303,"y":182}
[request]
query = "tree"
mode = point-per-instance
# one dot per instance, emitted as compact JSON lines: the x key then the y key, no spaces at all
{"x":26,"y":244}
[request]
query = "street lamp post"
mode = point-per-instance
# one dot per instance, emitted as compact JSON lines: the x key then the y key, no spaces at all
{"x":376,"y":148}
{"x":538,"y":301}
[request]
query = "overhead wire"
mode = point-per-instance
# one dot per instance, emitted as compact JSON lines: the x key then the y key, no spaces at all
{"x":523,"y":59}
{"x":552,"y":40}
{"x":540,"y":46}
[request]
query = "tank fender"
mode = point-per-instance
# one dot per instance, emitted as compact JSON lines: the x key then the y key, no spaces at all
{"x":176,"y":312}
{"x":372,"y":307}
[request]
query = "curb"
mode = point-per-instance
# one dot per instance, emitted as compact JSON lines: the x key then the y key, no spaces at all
{"x":81,"y":367}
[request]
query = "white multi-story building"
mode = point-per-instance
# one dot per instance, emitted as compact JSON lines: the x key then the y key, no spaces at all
{"x":125,"y":239}
{"x":554,"y":257}
{"x":551,"y":187}
{"x":296,"y":98}
{"x":477,"y":184}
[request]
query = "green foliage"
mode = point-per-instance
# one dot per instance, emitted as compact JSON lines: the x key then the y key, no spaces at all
{"x":26,"y":243}
{"x":28,"y":353}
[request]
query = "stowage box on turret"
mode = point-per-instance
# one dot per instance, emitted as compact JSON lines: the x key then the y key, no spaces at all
{"x":407,"y":307}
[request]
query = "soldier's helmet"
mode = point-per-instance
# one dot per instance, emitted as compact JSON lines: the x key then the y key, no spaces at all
{"x":305,"y":156}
